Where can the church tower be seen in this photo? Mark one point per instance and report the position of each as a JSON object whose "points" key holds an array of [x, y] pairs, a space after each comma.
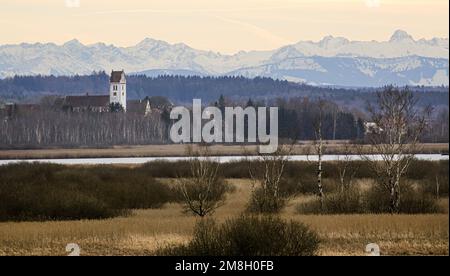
{"points": [[118, 89]]}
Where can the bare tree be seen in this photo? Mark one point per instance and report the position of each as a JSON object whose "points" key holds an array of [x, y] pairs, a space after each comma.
{"points": [[399, 126], [319, 148], [346, 169], [42, 126], [335, 115], [266, 174], [203, 192]]}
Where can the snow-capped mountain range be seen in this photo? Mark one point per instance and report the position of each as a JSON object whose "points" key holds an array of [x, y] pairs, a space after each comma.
{"points": [[402, 60]]}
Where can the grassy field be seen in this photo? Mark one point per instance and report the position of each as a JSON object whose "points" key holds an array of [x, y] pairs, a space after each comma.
{"points": [[331, 147], [146, 230]]}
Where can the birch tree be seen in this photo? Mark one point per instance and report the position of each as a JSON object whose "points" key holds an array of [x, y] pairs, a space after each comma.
{"points": [[346, 169], [399, 126], [266, 174], [319, 148]]}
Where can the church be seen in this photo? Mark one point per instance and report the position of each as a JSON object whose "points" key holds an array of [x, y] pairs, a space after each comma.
{"points": [[93, 102], [116, 100]]}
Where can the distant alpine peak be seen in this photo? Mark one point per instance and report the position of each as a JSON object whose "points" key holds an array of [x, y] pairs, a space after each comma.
{"points": [[73, 42], [331, 41], [151, 42], [400, 35]]}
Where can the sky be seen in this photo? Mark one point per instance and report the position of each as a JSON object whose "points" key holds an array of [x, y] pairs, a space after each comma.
{"points": [[225, 26]]}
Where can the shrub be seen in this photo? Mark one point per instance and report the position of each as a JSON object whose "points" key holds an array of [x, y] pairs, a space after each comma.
{"points": [[430, 186], [348, 202], [434, 175], [165, 169], [412, 201], [63, 205], [307, 185], [268, 173], [265, 202], [311, 207], [248, 236], [375, 200], [304, 185], [306, 171], [53, 192]]}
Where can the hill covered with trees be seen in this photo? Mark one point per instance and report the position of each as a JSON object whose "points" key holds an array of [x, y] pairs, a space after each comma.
{"points": [[182, 90]]}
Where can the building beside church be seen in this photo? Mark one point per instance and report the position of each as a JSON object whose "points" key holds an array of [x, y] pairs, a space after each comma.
{"points": [[86, 103], [89, 102], [117, 98]]}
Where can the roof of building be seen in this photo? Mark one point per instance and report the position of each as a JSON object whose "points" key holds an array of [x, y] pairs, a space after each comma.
{"points": [[116, 76], [87, 101], [137, 106], [11, 108]]}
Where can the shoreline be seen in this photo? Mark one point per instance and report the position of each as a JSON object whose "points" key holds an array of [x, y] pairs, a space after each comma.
{"points": [[178, 150]]}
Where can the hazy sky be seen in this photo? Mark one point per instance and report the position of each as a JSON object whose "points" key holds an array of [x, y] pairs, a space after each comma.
{"points": [[219, 25]]}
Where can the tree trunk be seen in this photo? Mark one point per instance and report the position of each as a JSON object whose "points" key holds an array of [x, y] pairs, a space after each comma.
{"points": [[319, 162], [395, 199], [437, 187], [342, 179], [334, 124], [319, 175]]}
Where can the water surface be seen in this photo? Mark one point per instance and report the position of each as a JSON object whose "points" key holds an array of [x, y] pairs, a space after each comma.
{"points": [[221, 159]]}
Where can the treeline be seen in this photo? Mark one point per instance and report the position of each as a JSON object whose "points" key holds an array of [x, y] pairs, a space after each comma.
{"points": [[49, 126], [298, 119], [180, 89], [44, 128]]}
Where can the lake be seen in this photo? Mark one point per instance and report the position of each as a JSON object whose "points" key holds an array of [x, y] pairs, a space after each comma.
{"points": [[221, 159]]}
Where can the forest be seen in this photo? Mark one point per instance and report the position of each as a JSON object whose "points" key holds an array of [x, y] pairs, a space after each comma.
{"points": [[344, 110], [49, 126], [182, 90]]}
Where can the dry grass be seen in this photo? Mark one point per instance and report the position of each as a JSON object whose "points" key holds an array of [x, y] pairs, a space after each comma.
{"points": [[332, 147], [147, 230]]}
